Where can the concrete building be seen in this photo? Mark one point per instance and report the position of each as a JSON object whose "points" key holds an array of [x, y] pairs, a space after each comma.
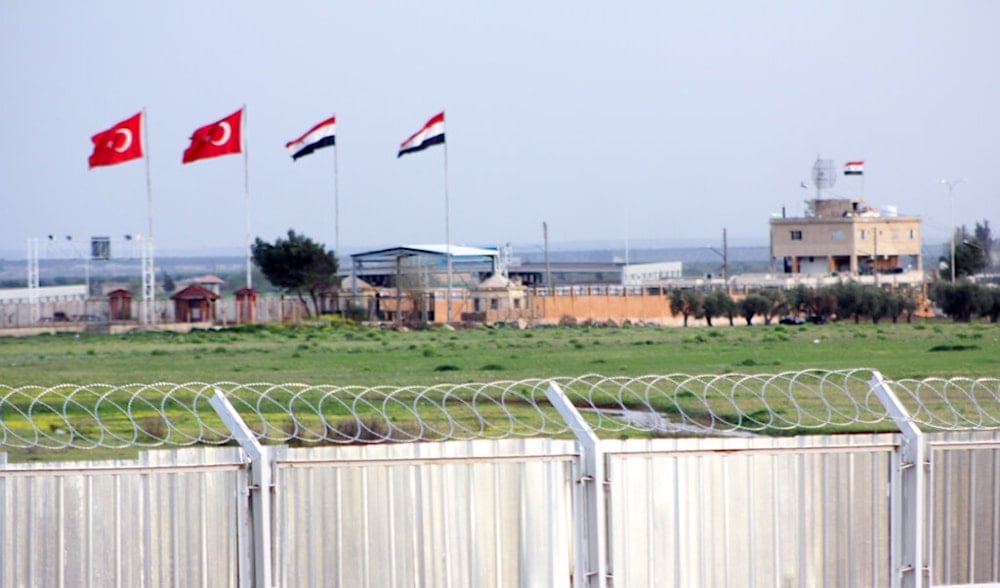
{"points": [[643, 274], [845, 236]]}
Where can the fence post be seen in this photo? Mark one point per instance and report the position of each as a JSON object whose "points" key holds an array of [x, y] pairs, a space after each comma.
{"points": [[260, 487], [908, 549], [590, 524]]}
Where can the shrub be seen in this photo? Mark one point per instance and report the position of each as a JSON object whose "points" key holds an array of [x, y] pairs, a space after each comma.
{"points": [[358, 430], [153, 428]]}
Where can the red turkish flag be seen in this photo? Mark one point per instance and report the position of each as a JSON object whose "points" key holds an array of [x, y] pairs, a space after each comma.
{"points": [[118, 144], [219, 138]]}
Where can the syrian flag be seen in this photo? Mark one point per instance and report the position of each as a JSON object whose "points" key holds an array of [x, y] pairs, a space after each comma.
{"points": [[223, 137], [322, 135], [432, 133], [854, 168], [118, 144]]}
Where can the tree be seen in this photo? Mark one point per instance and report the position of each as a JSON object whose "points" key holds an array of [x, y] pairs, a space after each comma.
{"points": [[717, 303], [751, 305], [776, 303], [959, 301], [686, 303], [898, 303], [874, 303], [732, 309], [815, 302], [168, 283], [985, 239], [970, 255], [798, 298], [988, 303], [849, 297], [297, 264]]}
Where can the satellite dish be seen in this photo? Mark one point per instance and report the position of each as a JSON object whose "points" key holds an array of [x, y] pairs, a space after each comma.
{"points": [[823, 175]]}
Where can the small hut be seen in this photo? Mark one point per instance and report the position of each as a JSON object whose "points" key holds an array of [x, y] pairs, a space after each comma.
{"points": [[246, 305], [194, 304], [496, 298], [120, 305]]}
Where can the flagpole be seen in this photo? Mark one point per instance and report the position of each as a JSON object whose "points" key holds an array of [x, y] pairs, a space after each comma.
{"points": [[336, 203], [246, 191], [148, 273], [447, 231]]}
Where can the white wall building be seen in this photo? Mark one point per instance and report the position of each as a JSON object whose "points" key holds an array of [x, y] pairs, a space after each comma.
{"points": [[637, 274]]}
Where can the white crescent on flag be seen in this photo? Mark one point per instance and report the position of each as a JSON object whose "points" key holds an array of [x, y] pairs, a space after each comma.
{"points": [[126, 143], [227, 131]]}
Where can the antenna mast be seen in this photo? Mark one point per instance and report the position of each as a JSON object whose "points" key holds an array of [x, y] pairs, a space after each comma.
{"points": [[823, 175]]}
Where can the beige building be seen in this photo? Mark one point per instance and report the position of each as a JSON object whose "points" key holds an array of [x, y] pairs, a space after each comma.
{"points": [[845, 236]]}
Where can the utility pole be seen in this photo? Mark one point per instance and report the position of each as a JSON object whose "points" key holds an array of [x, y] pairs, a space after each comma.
{"points": [[548, 268], [724, 254], [725, 259], [875, 249]]}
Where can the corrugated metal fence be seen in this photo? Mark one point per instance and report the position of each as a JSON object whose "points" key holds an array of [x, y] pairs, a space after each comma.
{"points": [[816, 510], [172, 518]]}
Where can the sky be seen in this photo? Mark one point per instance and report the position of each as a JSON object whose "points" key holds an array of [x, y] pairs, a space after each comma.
{"points": [[639, 122]]}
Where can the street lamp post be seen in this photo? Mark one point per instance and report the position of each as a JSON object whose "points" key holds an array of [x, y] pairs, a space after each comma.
{"points": [[951, 203]]}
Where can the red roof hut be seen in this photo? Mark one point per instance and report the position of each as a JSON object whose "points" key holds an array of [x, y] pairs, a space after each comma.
{"points": [[194, 304]]}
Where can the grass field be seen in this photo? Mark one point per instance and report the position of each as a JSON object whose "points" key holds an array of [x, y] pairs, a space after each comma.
{"points": [[340, 354], [331, 354]]}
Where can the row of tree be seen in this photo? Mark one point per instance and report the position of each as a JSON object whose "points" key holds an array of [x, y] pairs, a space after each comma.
{"points": [[841, 301], [963, 300]]}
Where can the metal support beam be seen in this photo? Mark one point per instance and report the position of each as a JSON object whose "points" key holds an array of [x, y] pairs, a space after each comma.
{"points": [[590, 539], [34, 300], [908, 557], [260, 488], [148, 281]]}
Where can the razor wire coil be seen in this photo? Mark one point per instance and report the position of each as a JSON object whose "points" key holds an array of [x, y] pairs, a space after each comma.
{"points": [[179, 414]]}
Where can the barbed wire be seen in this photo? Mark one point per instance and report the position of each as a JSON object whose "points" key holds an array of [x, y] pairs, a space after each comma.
{"points": [[171, 414], [952, 404]]}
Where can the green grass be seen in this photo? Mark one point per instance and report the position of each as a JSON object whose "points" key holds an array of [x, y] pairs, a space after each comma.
{"points": [[347, 355]]}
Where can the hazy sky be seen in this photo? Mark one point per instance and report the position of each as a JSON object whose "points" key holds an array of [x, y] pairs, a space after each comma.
{"points": [[647, 121]]}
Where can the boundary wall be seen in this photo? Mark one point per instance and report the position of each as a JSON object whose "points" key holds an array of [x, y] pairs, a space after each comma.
{"points": [[892, 509]]}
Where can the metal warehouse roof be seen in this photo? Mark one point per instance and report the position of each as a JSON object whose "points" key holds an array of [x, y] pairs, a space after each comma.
{"points": [[438, 249]]}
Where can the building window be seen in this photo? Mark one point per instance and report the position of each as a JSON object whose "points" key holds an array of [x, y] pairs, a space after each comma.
{"points": [[912, 232], [863, 233], [796, 235], [837, 235]]}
